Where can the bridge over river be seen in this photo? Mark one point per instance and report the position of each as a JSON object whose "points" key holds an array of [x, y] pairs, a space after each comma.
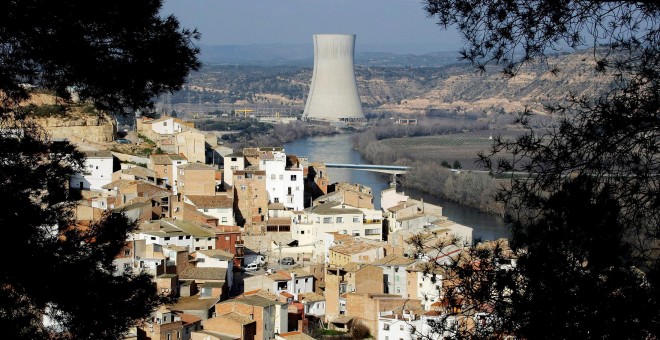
{"points": [[393, 170]]}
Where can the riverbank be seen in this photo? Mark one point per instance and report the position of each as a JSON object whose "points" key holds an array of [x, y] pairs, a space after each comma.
{"points": [[430, 150]]}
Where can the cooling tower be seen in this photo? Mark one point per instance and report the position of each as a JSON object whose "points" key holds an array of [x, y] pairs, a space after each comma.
{"points": [[333, 94]]}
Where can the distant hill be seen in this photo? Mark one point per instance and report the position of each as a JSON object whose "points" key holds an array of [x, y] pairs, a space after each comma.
{"points": [[393, 83], [303, 55]]}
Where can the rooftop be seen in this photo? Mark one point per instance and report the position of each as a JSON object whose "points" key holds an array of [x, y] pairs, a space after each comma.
{"points": [[218, 201], [393, 260], [333, 208], [355, 247], [203, 273]]}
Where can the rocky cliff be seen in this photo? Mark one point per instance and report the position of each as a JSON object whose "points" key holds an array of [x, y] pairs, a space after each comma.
{"points": [[78, 124]]}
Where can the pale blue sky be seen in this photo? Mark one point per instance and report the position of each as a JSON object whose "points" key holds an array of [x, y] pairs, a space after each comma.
{"points": [[377, 24]]}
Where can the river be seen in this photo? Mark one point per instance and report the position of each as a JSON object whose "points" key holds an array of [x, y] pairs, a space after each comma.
{"points": [[339, 149]]}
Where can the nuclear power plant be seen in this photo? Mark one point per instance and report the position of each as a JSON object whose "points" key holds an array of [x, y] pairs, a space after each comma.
{"points": [[333, 94]]}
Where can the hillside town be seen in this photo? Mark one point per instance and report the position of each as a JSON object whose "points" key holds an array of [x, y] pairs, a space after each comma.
{"points": [[261, 244]]}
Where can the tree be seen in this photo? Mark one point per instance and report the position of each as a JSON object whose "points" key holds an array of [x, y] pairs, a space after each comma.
{"points": [[592, 182], [62, 283]]}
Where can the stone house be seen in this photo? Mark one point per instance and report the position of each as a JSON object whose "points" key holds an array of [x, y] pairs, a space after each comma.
{"points": [[165, 167], [250, 200], [219, 206], [196, 179], [191, 144], [224, 326], [269, 314], [166, 324], [352, 277]]}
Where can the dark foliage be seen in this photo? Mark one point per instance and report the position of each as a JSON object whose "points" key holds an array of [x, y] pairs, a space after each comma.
{"points": [[60, 282], [585, 220], [121, 54]]}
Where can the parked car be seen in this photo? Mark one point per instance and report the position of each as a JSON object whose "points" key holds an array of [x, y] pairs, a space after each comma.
{"points": [[288, 261], [123, 141], [251, 267]]}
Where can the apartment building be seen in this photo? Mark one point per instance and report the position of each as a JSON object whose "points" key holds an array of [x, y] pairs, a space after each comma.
{"points": [[284, 179]]}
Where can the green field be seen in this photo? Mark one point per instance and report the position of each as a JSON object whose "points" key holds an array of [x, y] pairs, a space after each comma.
{"points": [[462, 147]]}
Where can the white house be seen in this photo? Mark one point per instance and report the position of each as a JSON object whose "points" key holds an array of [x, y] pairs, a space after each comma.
{"points": [[192, 235], [97, 171], [220, 207], [428, 281], [397, 326], [314, 303], [310, 225], [167, 125], [284, 179]]}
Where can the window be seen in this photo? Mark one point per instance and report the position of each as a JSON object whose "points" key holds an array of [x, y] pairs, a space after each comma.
{"points": [[224, 220], [293, 177], [180, 237], [206, 209], [356, 219], [401, 327], [272, 176], [243, 187], [281, 176], [340, 219], [327, 220], [386, 326], [127, 266], [167, 238], [127, 252], [239, 177], [226, 238], [169, 336], [233, 159]]}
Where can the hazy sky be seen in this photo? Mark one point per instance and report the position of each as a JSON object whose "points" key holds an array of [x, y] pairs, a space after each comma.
{"points": [[374, 22]]}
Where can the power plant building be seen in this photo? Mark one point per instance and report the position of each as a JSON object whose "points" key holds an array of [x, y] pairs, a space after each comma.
{"points": [[333, 93]]}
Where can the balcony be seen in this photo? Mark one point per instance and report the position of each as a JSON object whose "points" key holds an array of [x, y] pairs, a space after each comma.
{"points": [[239, 243]]}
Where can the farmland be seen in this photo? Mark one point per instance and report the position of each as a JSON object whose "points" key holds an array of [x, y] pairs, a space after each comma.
{"points": [[461, 147]]}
